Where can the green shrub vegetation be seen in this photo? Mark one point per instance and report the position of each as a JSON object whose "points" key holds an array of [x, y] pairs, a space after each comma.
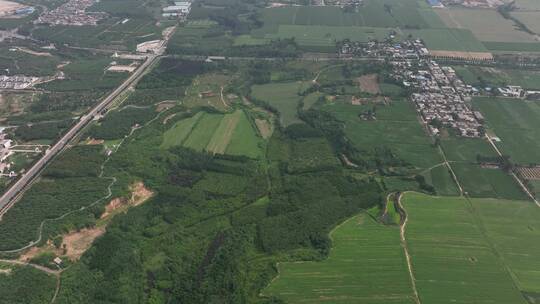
{"points": [[21, 285]]}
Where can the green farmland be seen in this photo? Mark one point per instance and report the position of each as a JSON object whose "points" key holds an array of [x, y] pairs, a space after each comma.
{"points": [[487, 182], [366, 256], [396, 127], [281, 96], [499, 77], [516, 123], [452, 260], [230, 133]]}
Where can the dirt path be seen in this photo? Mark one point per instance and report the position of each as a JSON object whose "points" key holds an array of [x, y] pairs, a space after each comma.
{"points": [[223, 99], [402, 229], [454, 176]]}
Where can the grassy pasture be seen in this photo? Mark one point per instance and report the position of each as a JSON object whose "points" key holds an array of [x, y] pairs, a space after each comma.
{"points": [[281, 96], [485, 24], [451, 259], [396, 127], [516, 123], [487, 182], [365, 260]]}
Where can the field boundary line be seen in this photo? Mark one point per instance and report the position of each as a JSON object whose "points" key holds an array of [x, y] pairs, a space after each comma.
{"points": [[402, 229]]}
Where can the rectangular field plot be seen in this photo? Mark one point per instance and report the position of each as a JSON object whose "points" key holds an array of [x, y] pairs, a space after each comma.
{"points": [[499, 77], [511, 226], [244, 139], [487, 182], [366, 265], [485, 24], [451, 259], [516, 123], [396, 127], [466, 149], [176, 135], [201, 135]]}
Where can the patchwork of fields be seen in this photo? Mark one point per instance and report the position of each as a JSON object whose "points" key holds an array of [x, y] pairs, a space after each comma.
{"points": [[230, 133]]}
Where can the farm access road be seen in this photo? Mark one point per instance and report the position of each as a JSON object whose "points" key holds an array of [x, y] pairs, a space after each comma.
{"points": [[8, 199]]}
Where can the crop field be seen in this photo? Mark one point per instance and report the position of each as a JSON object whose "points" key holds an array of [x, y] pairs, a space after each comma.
{"points": [[451, 259], [244, 139], [511, 225], [507, 47], [281, 96], [466, 149], [176, 135], [459, 40], [487, 182], [528, 5], [441, 179], [397, 127], [230, 133], [372, 13], [516, 123], [366, 258], [528, 79], [323, 26], [531, 19], [220, 140], [485, 24]]}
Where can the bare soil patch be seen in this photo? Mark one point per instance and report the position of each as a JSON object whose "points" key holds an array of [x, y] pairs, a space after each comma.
{"points": [[465, 55], [35, 251], [163, 106], [93, 141], [7, 7], [265, 128], [77, 242], [369, 83], [6, 271], [29, 51], [168, 118], [139, 194]]}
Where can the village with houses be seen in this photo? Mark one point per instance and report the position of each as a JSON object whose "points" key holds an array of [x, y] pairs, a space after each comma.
{"points": [[441, 98]]}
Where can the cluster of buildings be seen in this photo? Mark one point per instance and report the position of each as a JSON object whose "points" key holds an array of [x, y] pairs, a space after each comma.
{"points": [[18, 82], [72, 12], [179, 9], [439, 95], [5, 153]]}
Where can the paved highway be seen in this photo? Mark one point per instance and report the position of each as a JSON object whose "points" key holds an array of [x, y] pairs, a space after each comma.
{"points": [[9, 197]]}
